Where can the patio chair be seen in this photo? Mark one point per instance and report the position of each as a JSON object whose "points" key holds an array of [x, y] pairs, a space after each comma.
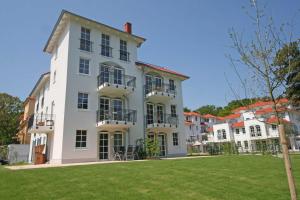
{"points": [[130, 152], [117, 155]]}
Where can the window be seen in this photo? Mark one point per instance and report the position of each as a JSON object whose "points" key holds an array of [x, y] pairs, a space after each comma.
{"points": [[80, 139], [196, 118], [224, 134], [190, 127], [175, 139], [118, 141], [82, 100], [118, 76], [124, 55], [237, 131], [274, 127], [150, 114], [84, 66], [54, 77], [197, 128], [171, 85], [243, 130], [246, 144], [239, 143], [258, 130], [106, 50], [252, 131], [173, 111], [85, 43]]}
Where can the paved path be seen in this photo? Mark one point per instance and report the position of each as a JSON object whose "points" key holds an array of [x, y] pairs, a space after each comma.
{"points": [[30, 166]]}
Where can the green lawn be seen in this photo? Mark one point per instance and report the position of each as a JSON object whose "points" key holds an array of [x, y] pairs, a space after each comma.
{"points": [[232, 178]]}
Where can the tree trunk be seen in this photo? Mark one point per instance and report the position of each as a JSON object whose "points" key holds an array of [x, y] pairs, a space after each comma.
{"points": [[287, 162]]}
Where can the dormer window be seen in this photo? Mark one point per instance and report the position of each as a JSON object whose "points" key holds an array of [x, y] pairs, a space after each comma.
{"points": [[124, 55]]}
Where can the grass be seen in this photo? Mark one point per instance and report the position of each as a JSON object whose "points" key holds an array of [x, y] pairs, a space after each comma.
{"points": [[222, 178]]}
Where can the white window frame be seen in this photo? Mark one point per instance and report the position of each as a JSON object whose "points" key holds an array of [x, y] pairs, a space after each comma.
{"points": [[84, 93], [79, 133], [84, 67], [175, 139]]}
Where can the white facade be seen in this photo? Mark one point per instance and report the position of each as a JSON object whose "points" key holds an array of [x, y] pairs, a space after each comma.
{"points": [[100, 97], [193, 128]]}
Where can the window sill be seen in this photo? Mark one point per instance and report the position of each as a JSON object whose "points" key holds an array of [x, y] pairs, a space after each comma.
{"points": [[83, 110], [81, 149], [109, 57], [81, 74]]}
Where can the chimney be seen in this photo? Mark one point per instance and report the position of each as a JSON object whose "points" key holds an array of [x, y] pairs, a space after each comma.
{"points": [[127, 27]]}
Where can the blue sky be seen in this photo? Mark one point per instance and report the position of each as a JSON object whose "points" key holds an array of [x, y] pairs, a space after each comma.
{"points": [[187, 36]]}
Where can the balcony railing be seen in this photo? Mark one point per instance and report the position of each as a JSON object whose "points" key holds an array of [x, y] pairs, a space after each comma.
{"points": [[255, 134], [161, 118], [86, 45], [115, 78], [106, 51], [36, 120], [167, 88], [124, 55], [114, 114]]}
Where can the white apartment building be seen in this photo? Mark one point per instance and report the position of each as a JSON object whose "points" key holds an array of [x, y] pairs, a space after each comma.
{"points": [[193, 128], [98, 96], [255, 126]]}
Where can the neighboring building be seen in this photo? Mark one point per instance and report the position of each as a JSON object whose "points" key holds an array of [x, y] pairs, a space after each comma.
{"points": [[22, 136], [255, 126], [98, 96], [193, 127]]}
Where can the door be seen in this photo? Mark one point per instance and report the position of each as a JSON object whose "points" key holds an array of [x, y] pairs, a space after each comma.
{"points": [[104, 74], [118, 77], [162, 144], [149, 117], [118, 142], [158, 84], [148, 82], [103, 146], [117, 110], [104, 109], [160, 114]]}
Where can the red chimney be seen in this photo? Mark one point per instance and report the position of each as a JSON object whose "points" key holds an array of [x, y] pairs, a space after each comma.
{"points": [[127, 27]]}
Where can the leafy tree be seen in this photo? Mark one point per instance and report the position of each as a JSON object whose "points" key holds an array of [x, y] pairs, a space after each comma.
{"points": [[209, 109], [186, 109], [287, 66], [10, 110]]}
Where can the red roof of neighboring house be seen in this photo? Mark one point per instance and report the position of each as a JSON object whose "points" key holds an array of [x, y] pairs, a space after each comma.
{"points": [[274, 120], [260, 104], [188, 122], [159, 68], [238, 124], [269, 110], [208, 116], [232, 116], [191, 114]]}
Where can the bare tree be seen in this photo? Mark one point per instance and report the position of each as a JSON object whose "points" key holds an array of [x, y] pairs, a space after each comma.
{"points": [[257, 55]]}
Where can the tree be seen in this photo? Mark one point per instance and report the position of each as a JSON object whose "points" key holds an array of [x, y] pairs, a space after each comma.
{"points": [[287, 66], [10, 110], [186, 109], [257, 55], [208, 109]]}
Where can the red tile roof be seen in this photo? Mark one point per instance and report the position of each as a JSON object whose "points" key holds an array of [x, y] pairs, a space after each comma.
{"points": [[208, 116], [210, 129], [159, 68], [274, 120], [238, 124], [188, 122], [232, 116], [270, 110], [191, 114], [261, 104]]}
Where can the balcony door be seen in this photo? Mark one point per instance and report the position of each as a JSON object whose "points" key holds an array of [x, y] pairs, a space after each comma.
{"points": [[104, 108], [104, 74], [150, 113], [117, 109], [103, 146], [160, 113], [118, 76], [162, 144], [158, 83], [148, 84]]}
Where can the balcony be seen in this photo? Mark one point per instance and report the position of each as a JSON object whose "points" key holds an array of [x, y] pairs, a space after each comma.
{"points": [[161, 122], [39, 123], [86, 45], [160, 93], [115, 118], [114, 84]]}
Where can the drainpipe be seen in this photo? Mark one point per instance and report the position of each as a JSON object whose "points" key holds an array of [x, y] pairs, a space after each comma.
{"points": [[143, 108]]}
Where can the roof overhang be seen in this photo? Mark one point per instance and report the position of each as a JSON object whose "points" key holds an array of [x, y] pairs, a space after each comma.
{"points": [[64, 18], [42, 80], [160, 69]]}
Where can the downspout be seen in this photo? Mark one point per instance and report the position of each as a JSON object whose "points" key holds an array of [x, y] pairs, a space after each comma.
{"points": [[143, 108]]}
